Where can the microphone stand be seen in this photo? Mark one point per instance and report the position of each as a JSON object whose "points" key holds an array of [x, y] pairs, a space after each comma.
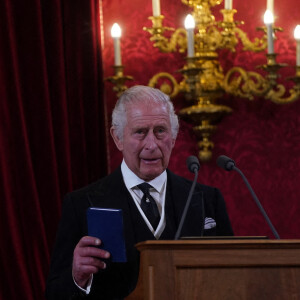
{"points": [[257, 202], [177, 235]]}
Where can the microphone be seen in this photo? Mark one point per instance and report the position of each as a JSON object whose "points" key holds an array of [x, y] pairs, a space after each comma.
{"points": [[225, 163], [228, 164], [193, 166], [192, 163]]}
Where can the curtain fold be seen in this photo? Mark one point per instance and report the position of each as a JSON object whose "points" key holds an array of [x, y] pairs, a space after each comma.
{"points": [[52, 129]]}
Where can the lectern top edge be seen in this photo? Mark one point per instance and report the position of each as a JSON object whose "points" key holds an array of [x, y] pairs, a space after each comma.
{"points": [[219, 244]]}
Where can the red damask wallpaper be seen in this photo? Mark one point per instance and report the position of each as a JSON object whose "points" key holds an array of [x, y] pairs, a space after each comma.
{"points": [[262, 137]]}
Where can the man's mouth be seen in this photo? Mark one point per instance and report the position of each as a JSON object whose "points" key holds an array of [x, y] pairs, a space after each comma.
{"points": [[150, 160]]}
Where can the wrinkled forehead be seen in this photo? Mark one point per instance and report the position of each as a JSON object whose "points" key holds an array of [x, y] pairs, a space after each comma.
{"points": [[146, 108]]}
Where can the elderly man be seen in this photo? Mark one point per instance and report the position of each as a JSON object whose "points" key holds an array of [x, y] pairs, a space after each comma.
{"points": [[144, 129]]}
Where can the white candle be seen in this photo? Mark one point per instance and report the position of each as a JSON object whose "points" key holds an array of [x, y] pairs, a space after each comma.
{"points": [[189, 25], [116, 34], [228, 4], [269, 20], [297, 38], [270, 6], [156, 8], [270, 38]]}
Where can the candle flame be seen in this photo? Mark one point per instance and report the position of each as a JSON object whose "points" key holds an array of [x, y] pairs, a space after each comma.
{"points": [[297, 33], [116, 30], [189, 22], [268, 17]]}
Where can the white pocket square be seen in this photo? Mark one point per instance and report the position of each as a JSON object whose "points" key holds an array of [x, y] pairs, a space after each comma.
{"points": [[209, 223]]}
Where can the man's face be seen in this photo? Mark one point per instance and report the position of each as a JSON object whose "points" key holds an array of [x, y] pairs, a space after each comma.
{"points": [[147, 140]]}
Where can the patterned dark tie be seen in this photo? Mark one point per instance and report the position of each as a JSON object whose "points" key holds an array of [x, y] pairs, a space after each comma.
{"points": [[148, 205]]}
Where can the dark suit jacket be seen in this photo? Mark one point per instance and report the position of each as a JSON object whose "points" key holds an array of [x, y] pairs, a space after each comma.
{"points": [[119, 279]]}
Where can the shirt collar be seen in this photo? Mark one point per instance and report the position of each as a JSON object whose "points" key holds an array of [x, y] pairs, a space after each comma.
{"points": [[131, 180]]}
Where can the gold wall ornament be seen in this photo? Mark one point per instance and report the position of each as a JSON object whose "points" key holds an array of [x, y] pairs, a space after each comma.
{"points": [[118, 80], [177, 40], [204, 83], [169, 85]]}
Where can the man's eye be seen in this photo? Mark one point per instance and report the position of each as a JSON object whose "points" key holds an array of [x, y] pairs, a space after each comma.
{"points": [[160, 130], [140, 131]]}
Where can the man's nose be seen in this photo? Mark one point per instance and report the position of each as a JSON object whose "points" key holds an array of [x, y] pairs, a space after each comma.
{"points": [[150, 141]]}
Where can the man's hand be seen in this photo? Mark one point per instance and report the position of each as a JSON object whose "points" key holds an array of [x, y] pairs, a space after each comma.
{"points": [[87, 259]]}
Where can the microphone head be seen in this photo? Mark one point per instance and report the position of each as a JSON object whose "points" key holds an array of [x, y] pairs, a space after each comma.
{"points": [[193, 164], [225, 163]]}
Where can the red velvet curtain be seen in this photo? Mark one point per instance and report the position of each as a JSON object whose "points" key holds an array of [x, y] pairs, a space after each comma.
{"points": [[52, 131]]}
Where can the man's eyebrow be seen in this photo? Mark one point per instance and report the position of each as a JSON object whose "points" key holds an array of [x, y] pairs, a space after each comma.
{"points": [[140, 128]]}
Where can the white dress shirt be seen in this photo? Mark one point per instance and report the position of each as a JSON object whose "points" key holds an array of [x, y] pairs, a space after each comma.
{"points": [[158, 192]]}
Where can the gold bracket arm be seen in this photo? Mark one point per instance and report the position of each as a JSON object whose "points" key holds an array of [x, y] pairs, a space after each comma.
{"points": [[256, 46], [277, 96], [241, 83], [177, 40], [169, 85], [231, 33], [277, 92]]}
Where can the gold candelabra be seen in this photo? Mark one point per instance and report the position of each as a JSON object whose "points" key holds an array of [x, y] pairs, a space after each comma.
{"points": [[204, 82]]}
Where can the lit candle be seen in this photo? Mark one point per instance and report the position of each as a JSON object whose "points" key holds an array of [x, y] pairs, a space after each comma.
{"points": [[189, 25], [270, 6], [297, 38], [156, 8], [269, 20], [116, 34], [228, 4]]}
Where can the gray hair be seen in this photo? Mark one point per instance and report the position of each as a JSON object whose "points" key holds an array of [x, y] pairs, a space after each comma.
{"points": [[140, 93]]}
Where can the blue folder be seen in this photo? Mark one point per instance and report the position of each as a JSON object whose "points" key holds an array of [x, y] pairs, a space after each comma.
{"points": [[107, 225]]}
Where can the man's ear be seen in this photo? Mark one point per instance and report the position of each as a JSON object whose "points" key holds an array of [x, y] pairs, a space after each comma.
{"points": [[117, 140], [173, 143]]}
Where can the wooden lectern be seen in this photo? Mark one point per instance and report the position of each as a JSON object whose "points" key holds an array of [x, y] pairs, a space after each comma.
{"points": [[219, 269]]}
